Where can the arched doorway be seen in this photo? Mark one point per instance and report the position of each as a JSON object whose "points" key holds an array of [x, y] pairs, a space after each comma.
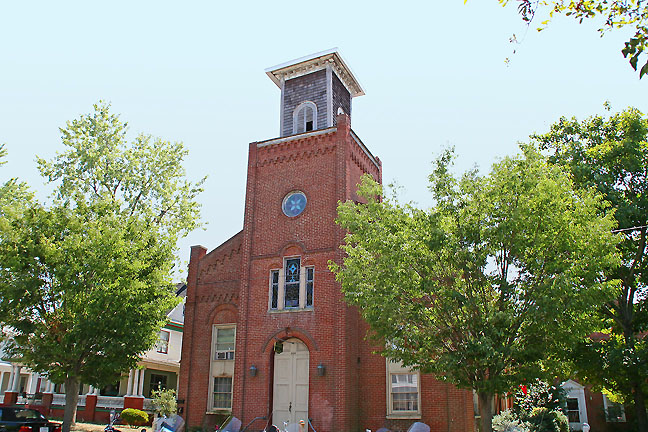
{"points": [[290, 388]]}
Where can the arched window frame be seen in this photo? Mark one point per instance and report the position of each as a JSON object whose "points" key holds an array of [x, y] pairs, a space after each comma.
{"points": [[300, 128]]}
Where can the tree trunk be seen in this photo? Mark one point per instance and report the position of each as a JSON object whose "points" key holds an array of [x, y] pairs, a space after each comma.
{"points": [[640, 407], [71, 400], [486, 410]]}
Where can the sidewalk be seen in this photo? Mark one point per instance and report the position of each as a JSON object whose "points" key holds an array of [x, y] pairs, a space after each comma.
{"points": [[92, 427]]}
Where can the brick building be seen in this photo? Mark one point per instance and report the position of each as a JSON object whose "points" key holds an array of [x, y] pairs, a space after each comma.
{"points": [[266, 331]]}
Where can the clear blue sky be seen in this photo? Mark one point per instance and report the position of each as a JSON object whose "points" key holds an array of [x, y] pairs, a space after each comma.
{"points": [[433, 72]]}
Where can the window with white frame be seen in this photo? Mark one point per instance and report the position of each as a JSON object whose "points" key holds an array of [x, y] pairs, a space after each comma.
{"points": [[403, 389], [162, 345], [224, 342], [305, 117], [575, 407], [573, 410], [291, 287], [404, 392], [222, 394], [614, 412]]}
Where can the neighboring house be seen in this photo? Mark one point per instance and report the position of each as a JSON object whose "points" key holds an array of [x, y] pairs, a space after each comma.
{"points": [[593, 408], [582, 406], [267, 330], [158, 369]]}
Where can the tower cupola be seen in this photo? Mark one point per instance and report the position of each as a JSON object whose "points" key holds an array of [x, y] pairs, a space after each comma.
{"points": [[313, 91]]}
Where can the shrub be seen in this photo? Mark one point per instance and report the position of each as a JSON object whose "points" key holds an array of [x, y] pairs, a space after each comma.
{"points": [[134, 417], [539, 394], [546, 420], [507, 421], [164, 402]]}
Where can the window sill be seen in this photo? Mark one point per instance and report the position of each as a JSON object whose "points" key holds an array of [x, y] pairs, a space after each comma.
{"points": [[280, 311], [404, 416], [220, 411]]}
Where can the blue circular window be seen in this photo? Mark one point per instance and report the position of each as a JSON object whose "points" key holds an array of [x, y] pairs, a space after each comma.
{"points": [[294, 204]]}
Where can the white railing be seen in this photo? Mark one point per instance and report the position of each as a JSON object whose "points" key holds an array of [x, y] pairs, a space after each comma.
{"points": [[148, 405], [110, 402], [2, 398]]}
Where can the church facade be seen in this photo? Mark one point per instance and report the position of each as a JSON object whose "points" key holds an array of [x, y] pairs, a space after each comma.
{"points": [[267, 333]]}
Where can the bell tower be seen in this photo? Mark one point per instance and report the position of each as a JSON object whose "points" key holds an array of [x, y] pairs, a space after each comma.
{"points": [[314, 89]]}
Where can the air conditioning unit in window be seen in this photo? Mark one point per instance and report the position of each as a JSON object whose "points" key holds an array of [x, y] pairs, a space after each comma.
{"points": [[225, 355]]}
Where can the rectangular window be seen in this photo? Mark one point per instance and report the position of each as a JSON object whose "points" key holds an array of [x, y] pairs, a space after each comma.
{"points": [[404, 392], [224, 343], [573, 413], [291, 292], [158, 382], [292, 287], [614, 412], [162, 345], [222, 392], [310, 274], [274, 288]]}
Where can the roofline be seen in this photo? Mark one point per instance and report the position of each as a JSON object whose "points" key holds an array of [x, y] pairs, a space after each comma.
{"points": [[343, 71], [297, 61]]}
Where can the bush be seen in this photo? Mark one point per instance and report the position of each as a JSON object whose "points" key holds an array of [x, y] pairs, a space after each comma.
{"points": [[539, 394], [134, 417], [507, 421], [546, 420], [164, 402]]}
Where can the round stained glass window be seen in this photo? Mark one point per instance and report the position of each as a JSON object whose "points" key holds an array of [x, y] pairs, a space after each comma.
{"points": [[294, 204]]}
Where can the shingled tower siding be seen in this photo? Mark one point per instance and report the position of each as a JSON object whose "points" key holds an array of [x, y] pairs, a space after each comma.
{"points": [[311, 87], [231, 285], [341, 97]]}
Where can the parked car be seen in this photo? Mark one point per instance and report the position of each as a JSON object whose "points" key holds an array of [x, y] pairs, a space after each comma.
{"points": [[21, 419]]}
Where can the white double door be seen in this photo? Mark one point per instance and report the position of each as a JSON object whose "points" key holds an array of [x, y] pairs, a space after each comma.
{"points": [[290, 397]]}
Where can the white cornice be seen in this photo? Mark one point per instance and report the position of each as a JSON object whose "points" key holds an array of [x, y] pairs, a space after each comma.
{"points": [[313, 63]]}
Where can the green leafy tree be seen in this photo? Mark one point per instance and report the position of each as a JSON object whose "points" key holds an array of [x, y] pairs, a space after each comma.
{"points": [[14, 194], [610, 155], [85, 282], [614, 14], [480, 289]]}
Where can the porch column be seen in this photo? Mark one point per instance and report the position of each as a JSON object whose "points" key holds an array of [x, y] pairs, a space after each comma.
{"points": [[16, 382], [133, 399], [11, 396], [140, 389], [33, 382], [2, 375], [49, 386], [91, 404], [12, 377], [129, 387], [135, 382]]}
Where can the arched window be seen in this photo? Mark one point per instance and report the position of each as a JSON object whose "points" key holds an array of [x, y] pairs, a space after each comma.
{"points": [[305, 117]]}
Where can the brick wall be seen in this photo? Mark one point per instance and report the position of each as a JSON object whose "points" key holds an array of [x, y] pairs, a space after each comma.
{"points": [[232, 283]]}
